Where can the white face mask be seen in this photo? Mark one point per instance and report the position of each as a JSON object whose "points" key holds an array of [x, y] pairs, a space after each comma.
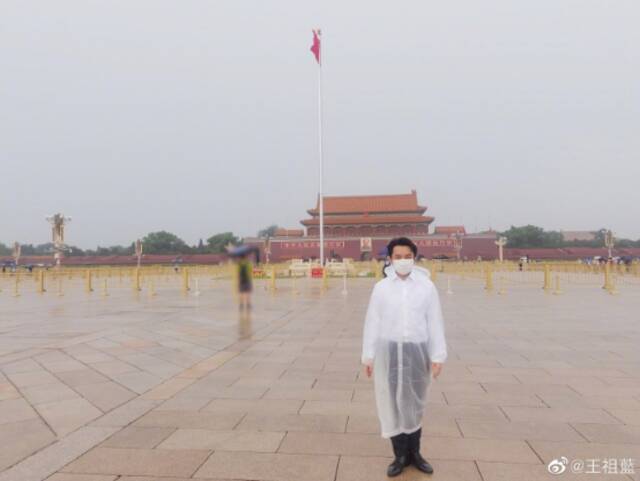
{"points": [[402, 266]]}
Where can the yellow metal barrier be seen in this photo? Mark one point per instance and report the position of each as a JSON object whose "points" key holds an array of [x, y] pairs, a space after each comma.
{"points": [[87, 286], [488, 285]]}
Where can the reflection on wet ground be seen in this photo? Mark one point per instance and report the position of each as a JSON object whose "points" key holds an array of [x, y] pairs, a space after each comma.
{"points": [[174, 386]]}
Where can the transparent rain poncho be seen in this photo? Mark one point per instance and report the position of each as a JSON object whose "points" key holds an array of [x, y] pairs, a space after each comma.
{"points": [[403, 334]]}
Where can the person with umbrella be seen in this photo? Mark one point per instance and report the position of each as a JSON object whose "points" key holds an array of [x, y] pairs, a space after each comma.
{"points": [[245, 274]]}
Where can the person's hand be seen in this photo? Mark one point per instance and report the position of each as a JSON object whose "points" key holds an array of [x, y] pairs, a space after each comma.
{"points": [[368, 369], [436, 367]]}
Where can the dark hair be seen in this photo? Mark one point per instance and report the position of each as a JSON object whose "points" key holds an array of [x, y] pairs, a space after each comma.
{"points": [[402, 241]]}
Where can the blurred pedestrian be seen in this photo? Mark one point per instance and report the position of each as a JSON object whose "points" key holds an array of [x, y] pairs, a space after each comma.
{"points": [[245, 283]]}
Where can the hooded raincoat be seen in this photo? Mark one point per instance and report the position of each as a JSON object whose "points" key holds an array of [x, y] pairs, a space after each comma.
{"points": [[403, 334]]}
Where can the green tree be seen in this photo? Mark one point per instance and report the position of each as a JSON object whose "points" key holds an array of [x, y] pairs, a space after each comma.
{"points": [[268, 231], [553, 239], [38, 250], [27, 250], [112, 251], [163, 242], [600, 235], [529, 236], [46, 249], [525, 236], [217, 244], [73, 251], [4, 250]]}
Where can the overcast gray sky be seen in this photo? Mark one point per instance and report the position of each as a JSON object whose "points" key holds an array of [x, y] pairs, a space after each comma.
{"points": [[201, 116]]}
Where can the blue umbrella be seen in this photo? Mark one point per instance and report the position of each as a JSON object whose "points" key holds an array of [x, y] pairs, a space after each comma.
{"points": [[243, 250]]}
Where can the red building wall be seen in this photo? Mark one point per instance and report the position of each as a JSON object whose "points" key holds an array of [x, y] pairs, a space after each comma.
{"points": [[370, 230], [428, 246]]}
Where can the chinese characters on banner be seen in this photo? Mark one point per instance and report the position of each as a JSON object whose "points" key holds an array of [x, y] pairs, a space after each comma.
{"points": [[310, 244]]}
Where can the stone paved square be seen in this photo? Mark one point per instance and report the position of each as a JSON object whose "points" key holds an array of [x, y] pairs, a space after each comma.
{"points": [[177, 387]]}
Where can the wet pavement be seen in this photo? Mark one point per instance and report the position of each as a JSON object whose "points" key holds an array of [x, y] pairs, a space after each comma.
{"points": [[134, 387]]}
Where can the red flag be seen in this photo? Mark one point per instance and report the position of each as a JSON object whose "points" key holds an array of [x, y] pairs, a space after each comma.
{"points": [[315, 48]]}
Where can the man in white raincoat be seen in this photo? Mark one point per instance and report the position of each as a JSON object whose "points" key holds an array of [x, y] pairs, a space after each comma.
{"points": [[403, 346]]}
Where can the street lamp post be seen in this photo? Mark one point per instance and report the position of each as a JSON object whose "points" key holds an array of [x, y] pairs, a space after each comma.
{"points": [[457, 244], [139, 251], [501, 242], [17, 249]]}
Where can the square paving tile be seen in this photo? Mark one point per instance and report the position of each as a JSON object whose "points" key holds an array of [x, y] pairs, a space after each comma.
{"points": [[549, 450], [81, 376], [67, 416], [578, 400], [136, 437], [189, 420], [437, 412], [14, 410], [360, 468], [32, 378], [52, 458], [432, 427], [49, 393], [105, 395], [264, 442], [492, 399], [510, 472], [82, 477], [63, 366], [470, 449], [164, 478], [108, 368], [144, 462], [87, 355], [7, 391], [204, 389], [520, 430], [21, 439], [353, 444], [269, 467], [24, 365], [627, 416], [168, 389], [578, 415], [293, 422], [608, 433], [185, 402], [137, 381], [309, 394], [126, 414], [346, 408], [255, 406]]}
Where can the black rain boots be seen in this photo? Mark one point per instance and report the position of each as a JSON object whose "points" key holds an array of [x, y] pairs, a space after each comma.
{"points": [[414, 455], [400, 450]]}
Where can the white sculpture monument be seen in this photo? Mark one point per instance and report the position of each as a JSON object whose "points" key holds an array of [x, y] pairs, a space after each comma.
{"points": [[58, 223]]}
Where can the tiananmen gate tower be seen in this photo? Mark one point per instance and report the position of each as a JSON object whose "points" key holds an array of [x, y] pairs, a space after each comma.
{"points": [[360, 226], [370, 215]]}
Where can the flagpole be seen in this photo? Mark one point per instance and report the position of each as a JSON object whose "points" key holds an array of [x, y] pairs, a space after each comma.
{"points": [[321, 197]]}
